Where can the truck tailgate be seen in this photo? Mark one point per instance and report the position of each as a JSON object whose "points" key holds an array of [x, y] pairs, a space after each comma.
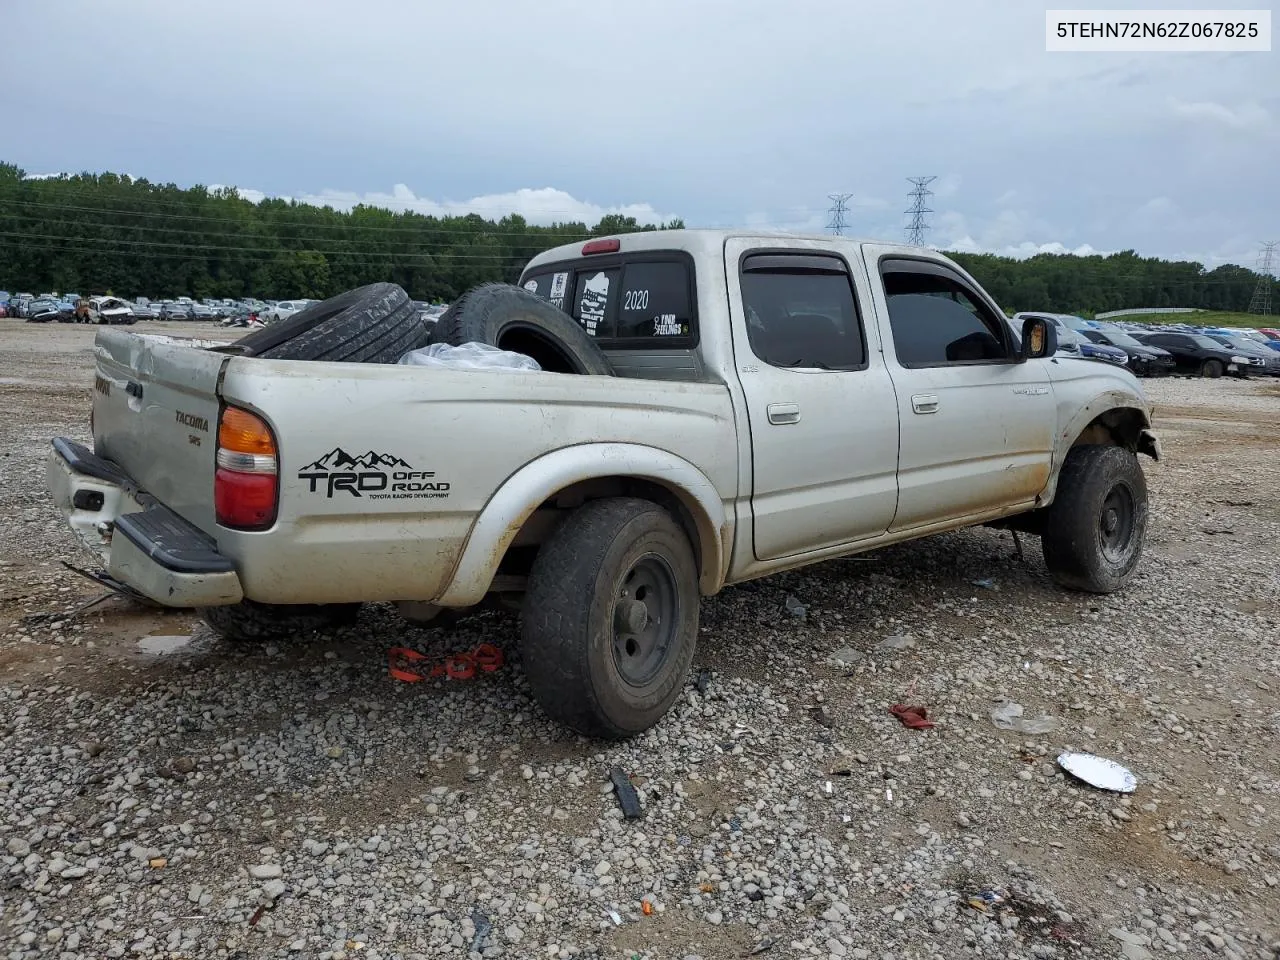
{"points": [[155, 413]]}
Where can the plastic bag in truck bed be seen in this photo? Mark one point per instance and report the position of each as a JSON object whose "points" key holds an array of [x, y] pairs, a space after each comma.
{"points": [[469, 356]]}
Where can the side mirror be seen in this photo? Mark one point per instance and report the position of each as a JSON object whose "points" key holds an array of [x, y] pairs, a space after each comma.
{"points": [[1039, 338]]}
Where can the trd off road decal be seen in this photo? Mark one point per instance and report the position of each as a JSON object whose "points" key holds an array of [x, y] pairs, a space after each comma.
{"points": [[378, 476]]}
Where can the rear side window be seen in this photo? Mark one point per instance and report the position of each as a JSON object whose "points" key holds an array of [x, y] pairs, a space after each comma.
{"points": [[654, 301], [549, 286], [801, 312], [937, 322], [641, 301]]}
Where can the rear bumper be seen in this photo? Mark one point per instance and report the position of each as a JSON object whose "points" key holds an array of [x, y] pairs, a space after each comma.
{"points": [[141, 542]]}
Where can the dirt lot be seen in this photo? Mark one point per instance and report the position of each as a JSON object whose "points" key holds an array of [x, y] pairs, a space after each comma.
{"points": [[168, 795]]}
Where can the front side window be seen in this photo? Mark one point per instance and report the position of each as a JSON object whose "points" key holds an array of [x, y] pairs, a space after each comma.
{"points": [[937, 322], [801, 312]]}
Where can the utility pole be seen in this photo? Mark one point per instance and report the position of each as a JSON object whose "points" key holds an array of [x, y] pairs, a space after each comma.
{"points": [[1260, 302], [919, 194], [836, 213]]}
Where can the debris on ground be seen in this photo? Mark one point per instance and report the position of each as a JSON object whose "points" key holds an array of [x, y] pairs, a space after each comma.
{"points": [[796, 608], [1008, 715], [484, 657], [912, 717], [848, 657], [1099, 772], [986, 583], [703, 681], [628, 798]]}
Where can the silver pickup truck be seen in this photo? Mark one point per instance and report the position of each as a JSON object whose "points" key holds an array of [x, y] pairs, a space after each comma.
{"points": [[776, 401]]}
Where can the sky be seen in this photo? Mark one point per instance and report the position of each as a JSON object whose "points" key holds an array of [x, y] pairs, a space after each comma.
{"points": [[721, 112]]}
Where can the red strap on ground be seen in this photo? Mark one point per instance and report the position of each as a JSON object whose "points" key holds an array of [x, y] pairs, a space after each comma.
{"points": [[456, 666], [915, 718]]}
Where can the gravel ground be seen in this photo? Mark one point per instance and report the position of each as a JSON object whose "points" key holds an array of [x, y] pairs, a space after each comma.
{"points": [[168, 795]]}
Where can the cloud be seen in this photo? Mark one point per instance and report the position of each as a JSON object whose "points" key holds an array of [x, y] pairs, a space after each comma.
{"points": [[1238, 118], [540, 205]]}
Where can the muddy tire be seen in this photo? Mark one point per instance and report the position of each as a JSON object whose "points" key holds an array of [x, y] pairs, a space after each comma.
{"points": [[610, 618], [377, 323], [1212, 369], [1094, 529], [247, 621], [511, 318]]}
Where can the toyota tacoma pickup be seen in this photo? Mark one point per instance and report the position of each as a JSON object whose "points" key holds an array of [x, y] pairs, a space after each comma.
{"points": [[756, 404]]}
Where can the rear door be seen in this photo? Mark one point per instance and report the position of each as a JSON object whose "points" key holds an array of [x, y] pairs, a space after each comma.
{"points": [[155, 413], [821, 407], [977, 425]]}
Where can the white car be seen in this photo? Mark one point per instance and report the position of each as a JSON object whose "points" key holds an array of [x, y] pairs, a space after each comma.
{"points": [[762, 403], [283, 310]]}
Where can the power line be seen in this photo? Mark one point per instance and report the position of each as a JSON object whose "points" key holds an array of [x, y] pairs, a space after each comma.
{"points": [[920, 192], [1260, 302], [839, 207]]}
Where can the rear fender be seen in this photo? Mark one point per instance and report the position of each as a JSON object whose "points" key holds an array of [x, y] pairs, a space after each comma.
{"points": [[520, 496]]}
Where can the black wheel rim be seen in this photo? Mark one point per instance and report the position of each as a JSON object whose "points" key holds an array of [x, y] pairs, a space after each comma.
{"points": [[1116, 523], [646, 614]]}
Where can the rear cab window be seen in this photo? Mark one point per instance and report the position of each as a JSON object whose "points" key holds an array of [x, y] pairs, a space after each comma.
{"points": [[638, 301]]}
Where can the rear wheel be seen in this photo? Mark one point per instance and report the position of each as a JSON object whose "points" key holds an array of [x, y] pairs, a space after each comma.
{"points": [[248, 621], [611, 618], [1093, 531], [1212, 369]]}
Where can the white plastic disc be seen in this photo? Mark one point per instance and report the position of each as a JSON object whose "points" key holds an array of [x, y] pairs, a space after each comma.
{"points": [[1099, 772]]}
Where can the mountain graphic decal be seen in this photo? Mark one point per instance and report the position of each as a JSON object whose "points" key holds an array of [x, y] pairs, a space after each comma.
{"points": [[339, 459]]}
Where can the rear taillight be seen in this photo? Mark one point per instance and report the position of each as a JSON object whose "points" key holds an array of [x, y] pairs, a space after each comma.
{"points": [[246, 484]]}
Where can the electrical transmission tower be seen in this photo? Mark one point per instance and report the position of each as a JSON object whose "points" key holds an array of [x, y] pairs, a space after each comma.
{"points": [[839, 207], [920, 193], [1260, 302]]}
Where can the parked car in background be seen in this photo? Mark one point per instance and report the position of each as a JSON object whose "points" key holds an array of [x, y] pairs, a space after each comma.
{"points": [[1251, 349], [43, 310], [175, 311], [282, 310], [109, 310], [1197, 353], [1144, 360], [201, 311], [143, 311]]}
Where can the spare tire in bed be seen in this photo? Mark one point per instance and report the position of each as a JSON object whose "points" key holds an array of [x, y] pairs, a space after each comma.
{"points": [[377, 323], [511, 318]]}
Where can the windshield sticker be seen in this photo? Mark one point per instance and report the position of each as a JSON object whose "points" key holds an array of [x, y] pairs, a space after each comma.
{"points": [[531, 286], [378, 476], [594, 297], [559, 284]]}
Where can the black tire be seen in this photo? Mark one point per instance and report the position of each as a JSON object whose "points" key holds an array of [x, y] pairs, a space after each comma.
{"points": [[591, 668], [247, 621], [372, 324], [511, 318], [1212, 369], [1093, 530]]}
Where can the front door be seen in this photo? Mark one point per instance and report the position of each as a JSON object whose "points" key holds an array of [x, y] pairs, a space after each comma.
{"points": [[977, 424], [820, 404]]}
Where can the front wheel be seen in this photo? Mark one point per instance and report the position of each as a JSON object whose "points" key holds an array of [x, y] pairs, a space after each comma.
{"points": [[610, 618], [1212, 369], [248, 621], [1093, 530]]}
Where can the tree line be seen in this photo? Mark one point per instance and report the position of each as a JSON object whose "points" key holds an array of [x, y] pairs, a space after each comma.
{"points": [[103, 232]]}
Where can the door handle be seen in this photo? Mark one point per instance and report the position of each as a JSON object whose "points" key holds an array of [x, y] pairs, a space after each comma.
{"points": [[784, 413], [924, 403]]}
